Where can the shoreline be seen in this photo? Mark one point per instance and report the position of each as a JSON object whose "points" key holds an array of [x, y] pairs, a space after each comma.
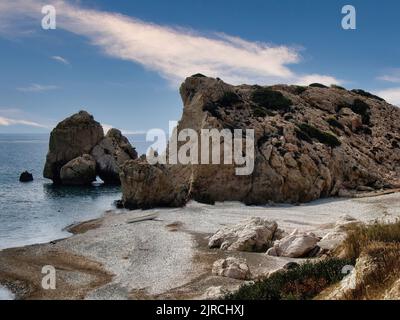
{"points": [[165, 258]]}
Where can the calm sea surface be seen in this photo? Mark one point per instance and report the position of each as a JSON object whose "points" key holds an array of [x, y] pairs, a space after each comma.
{"points": [[37, 211]]}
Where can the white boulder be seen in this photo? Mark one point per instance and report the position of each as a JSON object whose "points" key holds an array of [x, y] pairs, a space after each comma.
{"points": [[295, 245], [231, 267], [255, 234]]}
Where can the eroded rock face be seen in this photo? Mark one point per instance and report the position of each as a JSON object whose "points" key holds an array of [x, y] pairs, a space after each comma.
{"points": [[71, 138], [310, 142], [79, 171], [231, 267], [253, 235], [295, 245], [110, 154], [146, 186]]}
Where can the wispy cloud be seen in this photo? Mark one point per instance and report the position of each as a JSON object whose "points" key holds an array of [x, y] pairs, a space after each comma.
{"points": [[60, 59], [37, 88], [392, 75], [107, 127], [9, 122], [173, 52], [391, 95]]}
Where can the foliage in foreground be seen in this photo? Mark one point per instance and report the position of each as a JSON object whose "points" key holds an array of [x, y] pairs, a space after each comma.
{"points": [[301, 283], [361, 237]]}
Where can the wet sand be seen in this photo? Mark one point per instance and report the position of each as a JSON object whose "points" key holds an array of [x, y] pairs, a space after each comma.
{"points": [[165, 258]]}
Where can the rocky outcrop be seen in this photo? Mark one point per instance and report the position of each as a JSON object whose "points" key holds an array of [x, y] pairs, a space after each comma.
{"points": [[295, 245], [71, 143], [231, 267], [79, 171], [26, 177], [71, 138], [310, 142], [110, 154], [334, 238], [253, 235]]}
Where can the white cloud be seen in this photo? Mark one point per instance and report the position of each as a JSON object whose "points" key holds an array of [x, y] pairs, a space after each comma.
{"points": [[107, 127], [392, 75], [316, 78], [391, 95], [9, 122], [173, 52], [60, 59], [37, 88]]}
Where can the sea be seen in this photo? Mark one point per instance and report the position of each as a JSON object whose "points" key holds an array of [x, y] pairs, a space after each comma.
{"points": [[38, 211]]}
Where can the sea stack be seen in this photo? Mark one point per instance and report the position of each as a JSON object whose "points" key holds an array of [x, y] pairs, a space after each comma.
{"points": [[310, 142], [79, 151]]}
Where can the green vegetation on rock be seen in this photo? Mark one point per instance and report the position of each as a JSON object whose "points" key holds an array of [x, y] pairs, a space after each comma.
{"points": [[312, 132], [301, 283], [270, 99], [318, 85]]}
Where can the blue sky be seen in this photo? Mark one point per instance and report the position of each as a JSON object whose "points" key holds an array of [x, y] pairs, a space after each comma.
{"points": [[123, 60]]}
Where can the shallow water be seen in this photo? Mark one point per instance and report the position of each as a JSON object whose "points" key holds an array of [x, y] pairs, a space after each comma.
{"points": [[37, 212], [6, 294]]}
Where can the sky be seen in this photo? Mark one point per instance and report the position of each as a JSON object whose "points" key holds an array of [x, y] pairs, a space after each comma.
{"points": [[123, 61]]}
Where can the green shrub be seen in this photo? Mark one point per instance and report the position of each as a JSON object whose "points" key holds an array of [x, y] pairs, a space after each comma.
{"points": [[335, 123], [270, 99], [198, 75], [228, 99], [335, 86], [301, 283], [259, 112], [363, 109], [212, 109], [299, 89], [318, 85], [303, 136], [323, 137], [367, 94]]}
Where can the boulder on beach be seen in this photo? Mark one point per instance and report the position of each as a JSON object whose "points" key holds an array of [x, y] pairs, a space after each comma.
{"points": [[310, 142], [71, 138], [253, 235], [110, 154], [231, 267], [26, 177], [296, 245], [79, 171]]}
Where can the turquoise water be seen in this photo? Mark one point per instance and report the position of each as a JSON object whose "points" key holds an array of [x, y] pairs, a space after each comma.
{"points": [[37, 212]]}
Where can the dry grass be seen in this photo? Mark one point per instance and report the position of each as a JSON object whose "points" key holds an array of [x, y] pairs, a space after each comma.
{"points": [[361, 237], [378, 247]]}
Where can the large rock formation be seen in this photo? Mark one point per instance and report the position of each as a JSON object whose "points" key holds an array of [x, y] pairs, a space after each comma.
{"points": [[110, 154], [310, 142], [77, 143], [71, 138]]}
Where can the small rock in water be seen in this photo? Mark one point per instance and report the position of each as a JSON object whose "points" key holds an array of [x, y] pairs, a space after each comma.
{"points": [[26, 177]]}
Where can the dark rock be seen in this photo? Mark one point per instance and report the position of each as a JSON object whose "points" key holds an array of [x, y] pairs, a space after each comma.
{"points": [[26, 177], [71, 138]]}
